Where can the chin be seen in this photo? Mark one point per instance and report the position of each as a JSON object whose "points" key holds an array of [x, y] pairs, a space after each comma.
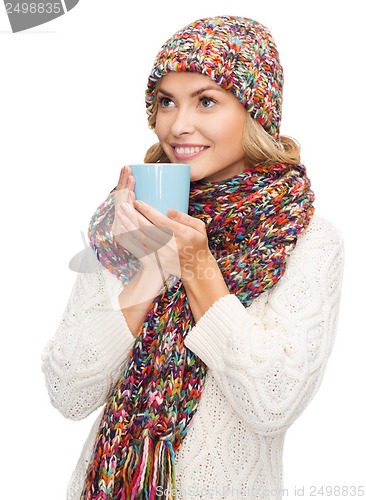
{"points": [[197, 173], [196, 177]]}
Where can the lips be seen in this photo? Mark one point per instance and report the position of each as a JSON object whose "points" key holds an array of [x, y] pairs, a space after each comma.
{"points": [[185, 151]]}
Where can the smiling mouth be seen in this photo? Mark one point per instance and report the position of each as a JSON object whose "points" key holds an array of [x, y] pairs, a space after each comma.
{"points": [[182, 152]]}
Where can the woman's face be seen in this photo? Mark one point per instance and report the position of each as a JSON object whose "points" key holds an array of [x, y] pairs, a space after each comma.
{"points": [[200, 123]]}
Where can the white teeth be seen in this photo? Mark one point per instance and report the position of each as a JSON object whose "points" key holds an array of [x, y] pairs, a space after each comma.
{"points": [[189, 151]]}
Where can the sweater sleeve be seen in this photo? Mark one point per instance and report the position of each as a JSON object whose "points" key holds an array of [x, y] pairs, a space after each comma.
{"points": [[86, 356], [269, 358]]}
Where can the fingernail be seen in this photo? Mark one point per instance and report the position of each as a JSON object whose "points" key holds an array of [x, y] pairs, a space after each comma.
{"points": [[137, 204]]}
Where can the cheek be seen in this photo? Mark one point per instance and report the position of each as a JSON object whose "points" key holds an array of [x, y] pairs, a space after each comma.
{"points": [[232, 132], [213, 128], [227, 135], [161, 127]]}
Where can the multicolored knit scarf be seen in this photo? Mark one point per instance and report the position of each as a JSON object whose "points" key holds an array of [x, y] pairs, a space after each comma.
{"points": [[253, 222]]}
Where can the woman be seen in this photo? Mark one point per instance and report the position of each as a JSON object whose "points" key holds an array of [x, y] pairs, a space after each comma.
{"points": [[204, 363]]}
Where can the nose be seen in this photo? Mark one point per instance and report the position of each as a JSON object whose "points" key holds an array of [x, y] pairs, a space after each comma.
{"points": [[183, 122]]}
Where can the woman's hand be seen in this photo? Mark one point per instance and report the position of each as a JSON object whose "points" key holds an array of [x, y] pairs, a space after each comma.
{"points": [[176, 245], [179, 241], [132, 233], [136, 297], [199, 271], [123, 194]]}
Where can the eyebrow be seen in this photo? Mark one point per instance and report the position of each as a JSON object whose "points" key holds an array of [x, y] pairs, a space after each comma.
{"points": [[194, 94]]}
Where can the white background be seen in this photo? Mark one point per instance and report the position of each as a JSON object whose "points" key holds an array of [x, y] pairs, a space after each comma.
{"points": [[71, 115]]}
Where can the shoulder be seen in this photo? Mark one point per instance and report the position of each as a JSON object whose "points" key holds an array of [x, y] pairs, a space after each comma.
{"points": [[320, 232], [312, 281], [319, 249]]}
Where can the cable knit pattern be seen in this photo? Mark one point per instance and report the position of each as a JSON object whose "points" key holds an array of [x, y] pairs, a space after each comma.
{"points": [[265, 364]]}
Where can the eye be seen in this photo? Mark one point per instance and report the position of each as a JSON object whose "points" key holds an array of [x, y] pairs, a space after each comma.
{"points": [[207, 102], [165, 102]]}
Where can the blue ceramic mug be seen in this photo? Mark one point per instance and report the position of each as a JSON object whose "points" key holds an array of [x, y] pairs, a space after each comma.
{"points": [[163, 185]]}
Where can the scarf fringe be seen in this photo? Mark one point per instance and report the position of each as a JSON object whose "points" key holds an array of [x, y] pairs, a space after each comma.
{"points": [[147, 473], [151, 470]]}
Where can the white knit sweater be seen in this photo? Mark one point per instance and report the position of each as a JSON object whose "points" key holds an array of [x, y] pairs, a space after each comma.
{"points": [[265, 364]]}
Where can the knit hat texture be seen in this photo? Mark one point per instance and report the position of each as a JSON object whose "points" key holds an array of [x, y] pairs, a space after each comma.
{"points": [[237, 53]]}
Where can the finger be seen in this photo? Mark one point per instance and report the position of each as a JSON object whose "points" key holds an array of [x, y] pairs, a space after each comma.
{"points": [[123, 178], [132, 197], [131, 182], [137, 239], [174, 221], [129, 241], [153, 215], [153, 237], [128, 216], [187, 220], [128, 229], [133, 221], [159, 228], [125, 185], [120, 197], [157, 237]]}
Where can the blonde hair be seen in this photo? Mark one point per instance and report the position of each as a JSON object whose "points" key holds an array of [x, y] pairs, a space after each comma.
{"points": [[258, 145]]}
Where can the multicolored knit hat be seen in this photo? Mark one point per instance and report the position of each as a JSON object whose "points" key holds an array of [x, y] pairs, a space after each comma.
{"points": [[237, 53]]}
